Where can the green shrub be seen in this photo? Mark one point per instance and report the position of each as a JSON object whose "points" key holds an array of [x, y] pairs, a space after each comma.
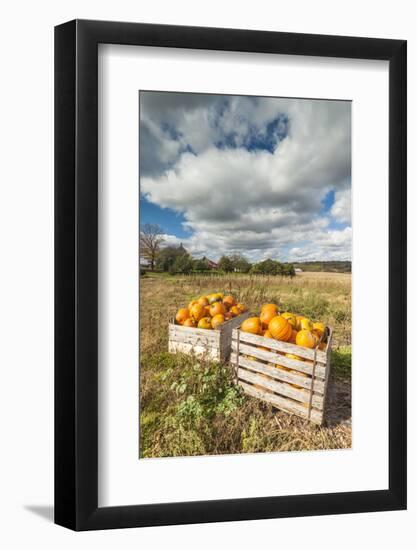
{"points": [[197, 395]]}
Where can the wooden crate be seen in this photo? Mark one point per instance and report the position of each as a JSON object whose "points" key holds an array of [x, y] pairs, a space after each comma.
{"points": [[297, 387], [213, 344]]}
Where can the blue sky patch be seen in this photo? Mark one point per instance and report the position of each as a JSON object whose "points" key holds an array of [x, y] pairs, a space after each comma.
{"points": [[275, 131], [327, 202], [170, 221], [257, 140], [337, 226]]}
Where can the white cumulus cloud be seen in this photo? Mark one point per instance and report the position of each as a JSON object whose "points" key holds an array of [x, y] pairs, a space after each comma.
{"points": [[250, 175], [341, 209]]}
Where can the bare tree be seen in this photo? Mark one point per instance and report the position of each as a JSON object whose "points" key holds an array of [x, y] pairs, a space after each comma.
{"points": [[151, 237]]}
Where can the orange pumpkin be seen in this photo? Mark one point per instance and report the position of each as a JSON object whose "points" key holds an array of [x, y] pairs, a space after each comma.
{"points": [[267, 334], [217, 308], [182, 315], [242, 307], [206, 311], [280, 328], [316, 337], [190, 322], [217, 297], [197, 311], [271, 307], [266, 316], [298, 322], [291, 318], [293, 337], [252, 325], [205, 322], [229, 300], [306, 339], [217, 320], [319, 328], [306, 324], [235, 311], [203, 301], [192, 303]]}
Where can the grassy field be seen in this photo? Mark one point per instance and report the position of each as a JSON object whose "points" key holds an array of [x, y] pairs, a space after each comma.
{"points": [[190, 406]]}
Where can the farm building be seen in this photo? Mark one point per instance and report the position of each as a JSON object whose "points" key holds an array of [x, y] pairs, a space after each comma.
{"points": [[182, 249], [298, 270], [210, 263]]}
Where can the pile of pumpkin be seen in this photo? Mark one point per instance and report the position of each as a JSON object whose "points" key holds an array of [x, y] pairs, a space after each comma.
{"points": [[286, 327], [209, 311]]}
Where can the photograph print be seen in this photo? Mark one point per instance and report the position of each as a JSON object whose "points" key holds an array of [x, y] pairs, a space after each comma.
{"points": [[244, 274]]}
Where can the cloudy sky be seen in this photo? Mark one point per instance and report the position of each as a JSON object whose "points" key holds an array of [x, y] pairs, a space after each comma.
{"points": [[266, 177]]}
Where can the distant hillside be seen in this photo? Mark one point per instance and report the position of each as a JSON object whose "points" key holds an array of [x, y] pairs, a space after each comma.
{"points": [[336, 267]]}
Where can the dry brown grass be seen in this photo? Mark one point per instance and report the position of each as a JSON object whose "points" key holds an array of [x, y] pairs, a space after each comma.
{"points": [[252, 426]]}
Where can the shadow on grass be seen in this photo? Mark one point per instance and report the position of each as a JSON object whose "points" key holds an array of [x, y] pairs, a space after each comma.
{"points": [[339, 399]]}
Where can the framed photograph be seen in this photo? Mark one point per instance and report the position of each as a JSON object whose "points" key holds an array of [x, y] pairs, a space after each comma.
{"points": [[230, 255]]}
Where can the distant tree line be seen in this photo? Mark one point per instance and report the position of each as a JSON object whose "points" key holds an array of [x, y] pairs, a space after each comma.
{"points": [[272, 267], [238, 263], [234, 263], [176, 259], [336, 266]]}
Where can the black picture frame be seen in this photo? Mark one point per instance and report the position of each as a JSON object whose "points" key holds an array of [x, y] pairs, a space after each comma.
{"points": [[76, 272]]}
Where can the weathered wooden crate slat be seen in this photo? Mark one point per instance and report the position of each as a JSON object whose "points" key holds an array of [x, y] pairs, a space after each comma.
{"points": [[213, 344], [279, 402], [295, 386], [278, 374], [284, 347], [273, 357], [282, 388]]}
